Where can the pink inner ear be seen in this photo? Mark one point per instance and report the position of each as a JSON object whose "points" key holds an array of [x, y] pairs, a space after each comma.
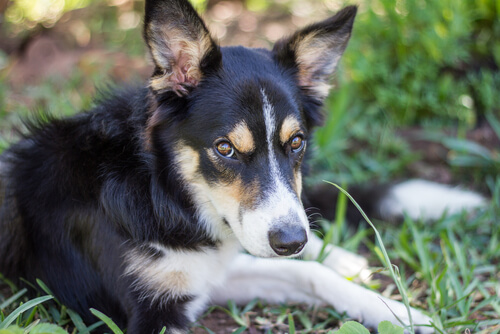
{"points": [[184, 73], [180, 78]]}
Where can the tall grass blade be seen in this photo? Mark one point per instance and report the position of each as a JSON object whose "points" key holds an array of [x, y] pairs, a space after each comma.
{"points": [[23, 308], [107, 320], [46, 289], [389, 265], [78, 322], [291, 324]]}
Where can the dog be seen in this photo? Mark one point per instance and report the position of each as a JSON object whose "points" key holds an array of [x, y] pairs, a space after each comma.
{"points": [[140, 206]]}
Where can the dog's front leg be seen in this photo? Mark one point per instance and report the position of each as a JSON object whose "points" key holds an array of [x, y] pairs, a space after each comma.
{"points": [[344, 262], [150, 316], [282, 280]]}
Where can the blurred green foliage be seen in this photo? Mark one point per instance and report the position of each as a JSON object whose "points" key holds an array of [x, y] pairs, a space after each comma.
{"points": [[409, 63], [413, 60], [408, 60], [46, 12]]}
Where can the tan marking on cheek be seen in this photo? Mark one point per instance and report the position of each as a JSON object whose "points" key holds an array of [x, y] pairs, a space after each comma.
{"points": [[188, 161], [251, 195], [289, 127], [234, 190], [242, 138], [237, 192]]}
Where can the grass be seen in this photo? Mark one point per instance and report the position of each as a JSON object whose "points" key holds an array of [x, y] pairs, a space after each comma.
{"points": [[449, 268]]}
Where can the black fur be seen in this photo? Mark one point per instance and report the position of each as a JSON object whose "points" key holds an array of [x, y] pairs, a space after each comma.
{"points": [[76, 194]]}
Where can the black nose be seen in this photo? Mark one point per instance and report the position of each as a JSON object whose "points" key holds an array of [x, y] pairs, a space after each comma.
{"points": [[288, 240]]}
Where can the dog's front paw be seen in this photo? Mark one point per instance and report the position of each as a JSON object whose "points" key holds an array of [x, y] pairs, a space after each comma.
{"points": [[390, 310]]}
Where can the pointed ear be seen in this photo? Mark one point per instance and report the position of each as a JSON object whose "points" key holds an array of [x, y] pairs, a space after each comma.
{"points": [[180, 45], [315, 51]]}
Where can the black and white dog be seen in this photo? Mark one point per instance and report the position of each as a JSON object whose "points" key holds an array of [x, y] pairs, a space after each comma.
{"points": [[139, 207]]}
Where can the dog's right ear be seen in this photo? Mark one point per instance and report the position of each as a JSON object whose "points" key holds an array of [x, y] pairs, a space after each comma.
{"points": [[180, 45]]}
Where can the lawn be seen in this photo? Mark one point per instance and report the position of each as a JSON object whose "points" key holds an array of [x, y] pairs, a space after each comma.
{"points": [[417, 95]]}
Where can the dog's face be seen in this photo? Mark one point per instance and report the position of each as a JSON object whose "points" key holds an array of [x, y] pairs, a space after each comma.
{"points": [[242, 120], [240, 151]]}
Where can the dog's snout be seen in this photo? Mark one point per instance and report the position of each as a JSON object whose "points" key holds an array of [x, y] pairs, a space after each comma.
{"points": [[287, 241]]}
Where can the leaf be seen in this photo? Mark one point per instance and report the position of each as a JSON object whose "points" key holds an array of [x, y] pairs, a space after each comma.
{"points": [[462, 145], [240, 330], [386, 327], [47, 329], [12, 330], [352, 327]]}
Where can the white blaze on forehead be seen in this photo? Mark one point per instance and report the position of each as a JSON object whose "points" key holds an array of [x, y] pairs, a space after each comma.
{"points": [[281, 194], [270, 122], [280, 207]]}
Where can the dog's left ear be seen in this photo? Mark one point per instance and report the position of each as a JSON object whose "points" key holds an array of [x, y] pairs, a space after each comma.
{"points": [[315, 51], [180, 45]]}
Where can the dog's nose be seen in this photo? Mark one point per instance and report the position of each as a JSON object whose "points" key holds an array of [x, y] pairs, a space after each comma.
{"points": [[288, 240]]}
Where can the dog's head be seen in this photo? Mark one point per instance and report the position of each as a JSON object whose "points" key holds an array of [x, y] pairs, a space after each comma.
{"points": [[236, 121]]}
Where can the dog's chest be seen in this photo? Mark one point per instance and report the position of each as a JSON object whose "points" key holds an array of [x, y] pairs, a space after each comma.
{"points": [[173, 273]]}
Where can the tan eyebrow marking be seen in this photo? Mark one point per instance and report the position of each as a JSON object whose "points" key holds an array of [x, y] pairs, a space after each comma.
{"points": [[289, 127], [241, 137]]}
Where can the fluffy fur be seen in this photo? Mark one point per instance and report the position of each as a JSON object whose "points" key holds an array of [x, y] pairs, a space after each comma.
{"points": [[139, 206]]}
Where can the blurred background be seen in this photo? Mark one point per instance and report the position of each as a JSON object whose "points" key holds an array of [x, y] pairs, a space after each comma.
{"points": [[417, 92]]}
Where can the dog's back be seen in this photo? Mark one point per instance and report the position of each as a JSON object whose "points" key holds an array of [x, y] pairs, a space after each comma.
{"points": [[51, 215], [12, 240]]}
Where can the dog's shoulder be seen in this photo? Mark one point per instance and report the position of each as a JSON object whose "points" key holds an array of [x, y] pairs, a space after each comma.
{"points": [[63, 164], [79, 146]]}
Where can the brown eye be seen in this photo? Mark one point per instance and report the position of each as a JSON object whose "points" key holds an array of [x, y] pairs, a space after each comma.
{"points": [[225, 149], [297, 143]]}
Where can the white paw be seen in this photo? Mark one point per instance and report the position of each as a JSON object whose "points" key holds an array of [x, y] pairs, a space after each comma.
{"points": [[390, 310], [347, 264]]}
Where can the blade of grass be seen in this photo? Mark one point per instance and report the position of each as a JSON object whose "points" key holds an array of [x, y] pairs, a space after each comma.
{"points": [[396, 279], [291, 324], [78, 322], [13, 299], [46, 289], [95, 325], [107, 320], [23, 308]]}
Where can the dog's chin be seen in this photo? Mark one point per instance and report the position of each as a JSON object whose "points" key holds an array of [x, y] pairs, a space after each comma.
{"points": [[268, 252]]}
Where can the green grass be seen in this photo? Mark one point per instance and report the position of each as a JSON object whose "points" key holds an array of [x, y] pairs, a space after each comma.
{"points": [[449, 268]]}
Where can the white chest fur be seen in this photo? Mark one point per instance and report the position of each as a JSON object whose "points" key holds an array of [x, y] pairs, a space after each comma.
{"points": [[178, 273]]}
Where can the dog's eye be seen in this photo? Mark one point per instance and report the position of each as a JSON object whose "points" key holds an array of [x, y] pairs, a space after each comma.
{"points": [[225, 149], [297, 143]]}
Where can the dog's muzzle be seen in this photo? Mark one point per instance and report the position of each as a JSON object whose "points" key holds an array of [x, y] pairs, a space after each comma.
{"points": [[289, 240]]}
